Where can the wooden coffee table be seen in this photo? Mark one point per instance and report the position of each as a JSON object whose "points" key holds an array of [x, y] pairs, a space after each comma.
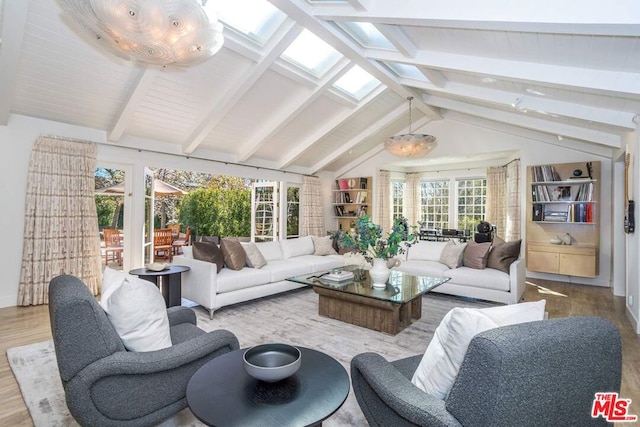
{"points": [[221, 393], [388, 310]]}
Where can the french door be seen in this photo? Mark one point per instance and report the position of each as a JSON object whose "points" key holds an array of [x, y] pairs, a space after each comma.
{"points": [[275, 211]]}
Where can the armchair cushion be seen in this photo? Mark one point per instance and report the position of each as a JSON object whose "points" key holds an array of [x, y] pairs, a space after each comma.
{"points": [[138, 313], [442, 359]]}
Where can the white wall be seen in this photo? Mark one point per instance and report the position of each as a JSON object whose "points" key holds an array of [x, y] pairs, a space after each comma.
{"points": [[17, 139], [457, 139]]}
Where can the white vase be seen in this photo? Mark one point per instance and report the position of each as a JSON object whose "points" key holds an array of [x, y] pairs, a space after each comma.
{"points": [[379, 273]]}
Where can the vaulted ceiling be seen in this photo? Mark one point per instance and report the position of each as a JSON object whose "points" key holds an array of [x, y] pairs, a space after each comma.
{"points": [[570, 70]]}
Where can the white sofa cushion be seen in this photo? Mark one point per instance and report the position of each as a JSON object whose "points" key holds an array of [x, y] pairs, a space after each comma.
{"points": [[319, 263], [423, 268], [281, 270], [231, 280], [441, 362], [488, 278], [271, 251], [296, 247], [139, 315], [429, 251]]}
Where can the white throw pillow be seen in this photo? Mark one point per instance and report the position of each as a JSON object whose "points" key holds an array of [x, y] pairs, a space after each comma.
{"points": [[441, 362], [111, 280], [255, 259], [430, 251], [137, 311], [323, 245], [297, 247]]}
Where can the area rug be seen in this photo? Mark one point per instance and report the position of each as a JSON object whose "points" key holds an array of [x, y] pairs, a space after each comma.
{"points": [[289, 318]]}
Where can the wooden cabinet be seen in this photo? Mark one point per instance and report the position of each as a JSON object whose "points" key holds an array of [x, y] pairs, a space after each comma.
{"points": [[351, 199], [563, 198], [570, 260]]}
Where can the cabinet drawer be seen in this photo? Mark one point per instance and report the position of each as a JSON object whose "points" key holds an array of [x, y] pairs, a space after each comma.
{"points": [[544, 262], [578, 265]]}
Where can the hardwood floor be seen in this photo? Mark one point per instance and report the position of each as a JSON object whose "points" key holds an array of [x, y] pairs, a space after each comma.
{"points": [[26, 325]]}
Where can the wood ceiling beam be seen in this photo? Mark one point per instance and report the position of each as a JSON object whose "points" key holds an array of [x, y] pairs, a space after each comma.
{"points": [[290, 112], [380, 124], [540, 104], [589, 17], [301, 13], [14, 19], [220, 107], [528, 122], [329, 125], [140, 87], [614, 83]]}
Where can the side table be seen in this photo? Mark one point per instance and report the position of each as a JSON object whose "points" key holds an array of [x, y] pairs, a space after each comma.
{"points": [[170, 282], [221, 393]]}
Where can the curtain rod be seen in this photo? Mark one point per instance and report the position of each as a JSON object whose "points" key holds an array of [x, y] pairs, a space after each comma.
{"points": [[140, 150]]}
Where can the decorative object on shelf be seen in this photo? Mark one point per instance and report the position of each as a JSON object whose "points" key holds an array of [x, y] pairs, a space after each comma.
{"points": [[411, 145], [556, 240], [566, 239], [379, 273], [179, 32], [577, 173]]}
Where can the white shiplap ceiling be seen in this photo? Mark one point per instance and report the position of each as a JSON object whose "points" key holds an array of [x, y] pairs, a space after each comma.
{"points": [[570, 68]]}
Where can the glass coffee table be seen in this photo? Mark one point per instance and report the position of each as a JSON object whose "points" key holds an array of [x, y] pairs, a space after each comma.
{"points": [[388, 310]]}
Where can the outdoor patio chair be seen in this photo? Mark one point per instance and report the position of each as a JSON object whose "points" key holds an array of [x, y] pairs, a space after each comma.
{"points": [[163, 243], [180, 242], [112, 245]]}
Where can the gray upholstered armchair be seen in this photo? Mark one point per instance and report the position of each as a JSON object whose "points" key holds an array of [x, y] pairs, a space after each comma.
{"points": [[543, 373], [106, 385]]}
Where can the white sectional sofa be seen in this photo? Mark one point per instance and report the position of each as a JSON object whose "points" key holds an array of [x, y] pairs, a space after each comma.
{"points": [[487, 284], [204, 285]]}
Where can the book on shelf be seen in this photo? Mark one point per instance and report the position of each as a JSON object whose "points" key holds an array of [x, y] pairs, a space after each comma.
{"points": [[556, 216], [538, 212], [545, 173], [363, 183]]}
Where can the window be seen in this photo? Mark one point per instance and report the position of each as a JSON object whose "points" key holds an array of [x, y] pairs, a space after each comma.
{"points": [[366, 34], [311, 53], [255, 19], [397, 202], [434, 203], [357, 83], [472, 197], [293, 211]]}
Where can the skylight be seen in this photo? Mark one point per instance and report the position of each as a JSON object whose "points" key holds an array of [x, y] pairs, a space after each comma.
{"points": [[357, 83], [311, 53], [255, 19], [406, 71], [366, 34]]}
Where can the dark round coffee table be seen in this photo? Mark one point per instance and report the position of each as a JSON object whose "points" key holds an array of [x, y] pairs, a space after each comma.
{"points": [[171, 282], [221, 393]]}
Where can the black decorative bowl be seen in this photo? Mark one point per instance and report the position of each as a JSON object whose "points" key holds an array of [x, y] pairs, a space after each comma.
{"points": [[272, 362]]}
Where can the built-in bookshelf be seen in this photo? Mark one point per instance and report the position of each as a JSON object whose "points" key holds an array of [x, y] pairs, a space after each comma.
{"points": [[563, 202], [351, 199]]}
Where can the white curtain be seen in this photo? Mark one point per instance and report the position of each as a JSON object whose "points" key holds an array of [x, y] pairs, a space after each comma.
{"points": [[513, 202], [412, 198], [312, 212], [383, 201], [61, 224], [496, 208]]}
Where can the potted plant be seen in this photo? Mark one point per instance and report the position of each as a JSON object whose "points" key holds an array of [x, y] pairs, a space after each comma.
{"points": [[366, 238]]}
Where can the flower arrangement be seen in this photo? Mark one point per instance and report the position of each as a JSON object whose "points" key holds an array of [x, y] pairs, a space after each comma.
{"points": [[366, 238]]}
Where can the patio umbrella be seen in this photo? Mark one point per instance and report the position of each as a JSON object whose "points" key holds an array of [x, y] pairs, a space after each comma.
{"points": [[161, 188]]}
